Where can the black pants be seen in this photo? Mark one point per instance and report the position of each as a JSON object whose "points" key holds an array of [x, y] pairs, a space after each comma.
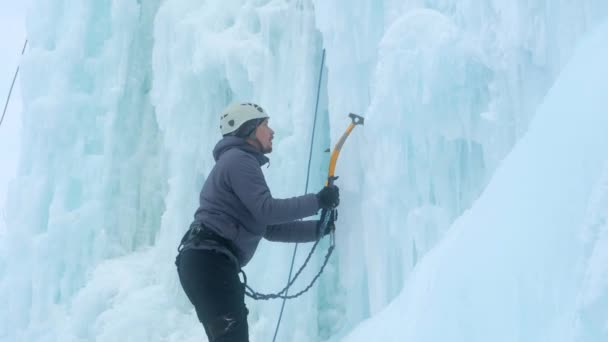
{"points": [[211, 282]]}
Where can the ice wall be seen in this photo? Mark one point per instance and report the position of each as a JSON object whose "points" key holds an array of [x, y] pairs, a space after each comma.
{"points": [[120, 115], [92, 181], [12, 40], [447, 88], [511, 268]]}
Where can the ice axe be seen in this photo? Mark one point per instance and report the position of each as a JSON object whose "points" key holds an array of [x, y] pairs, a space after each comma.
{"points": [[327, 215], [356, 120]]}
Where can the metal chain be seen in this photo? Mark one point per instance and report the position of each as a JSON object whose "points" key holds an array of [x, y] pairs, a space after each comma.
{"points": [[261, 296]]}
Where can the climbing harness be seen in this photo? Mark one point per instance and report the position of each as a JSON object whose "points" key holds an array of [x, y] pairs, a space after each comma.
{"points": [[8, 98]]}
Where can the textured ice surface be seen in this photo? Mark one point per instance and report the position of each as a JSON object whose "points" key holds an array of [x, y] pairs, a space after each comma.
{"points": [[511, 268], [121, 103]]}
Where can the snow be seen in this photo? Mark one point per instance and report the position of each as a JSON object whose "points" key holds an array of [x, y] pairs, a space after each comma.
{"points": [[467, 162]]}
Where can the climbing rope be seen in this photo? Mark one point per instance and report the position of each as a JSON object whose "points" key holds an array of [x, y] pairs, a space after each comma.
{"points": [[8, 98], [295, 249]]}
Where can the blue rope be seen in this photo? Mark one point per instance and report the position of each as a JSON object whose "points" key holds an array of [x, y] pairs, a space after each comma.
{"points": [[8, 98], [312, 139]]}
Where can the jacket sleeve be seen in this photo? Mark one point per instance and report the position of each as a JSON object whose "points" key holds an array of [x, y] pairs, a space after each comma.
{"points": [[296, 231], [249, 185]]}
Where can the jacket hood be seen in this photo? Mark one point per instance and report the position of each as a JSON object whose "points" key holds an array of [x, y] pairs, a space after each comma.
{"points": [[231, 142]]}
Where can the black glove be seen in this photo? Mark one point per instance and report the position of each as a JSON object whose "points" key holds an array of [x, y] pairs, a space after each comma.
{"points": [[331, 225], [329, 197]]}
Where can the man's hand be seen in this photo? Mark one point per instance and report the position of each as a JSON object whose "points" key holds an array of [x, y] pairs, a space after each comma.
{"points": [[329, 197], [331, 225]]}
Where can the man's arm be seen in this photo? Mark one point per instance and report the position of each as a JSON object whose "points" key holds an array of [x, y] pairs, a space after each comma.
{"points": [[249, 184], [295, 231]]}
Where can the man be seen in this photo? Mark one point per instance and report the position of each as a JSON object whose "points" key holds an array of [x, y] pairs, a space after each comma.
{"points": [[236, 211]]}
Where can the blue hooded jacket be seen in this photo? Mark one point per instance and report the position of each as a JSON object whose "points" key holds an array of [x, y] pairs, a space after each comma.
{"points": [[236, 204]]}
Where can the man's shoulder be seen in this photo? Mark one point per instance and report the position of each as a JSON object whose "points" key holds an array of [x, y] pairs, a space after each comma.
{"points": [[237, 156]]}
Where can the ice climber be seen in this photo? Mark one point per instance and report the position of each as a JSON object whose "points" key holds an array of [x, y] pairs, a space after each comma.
{"points": [[236, 211]]}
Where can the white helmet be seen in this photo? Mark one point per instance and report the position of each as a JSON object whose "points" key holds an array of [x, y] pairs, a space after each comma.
{"points": [[236, 114]]}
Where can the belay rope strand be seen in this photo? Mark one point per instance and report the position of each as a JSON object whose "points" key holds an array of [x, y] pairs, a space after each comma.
{"points": [[295, 248], [8, 98]]}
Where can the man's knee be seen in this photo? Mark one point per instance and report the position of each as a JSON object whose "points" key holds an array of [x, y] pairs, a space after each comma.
{"points": [[231, 327]]}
